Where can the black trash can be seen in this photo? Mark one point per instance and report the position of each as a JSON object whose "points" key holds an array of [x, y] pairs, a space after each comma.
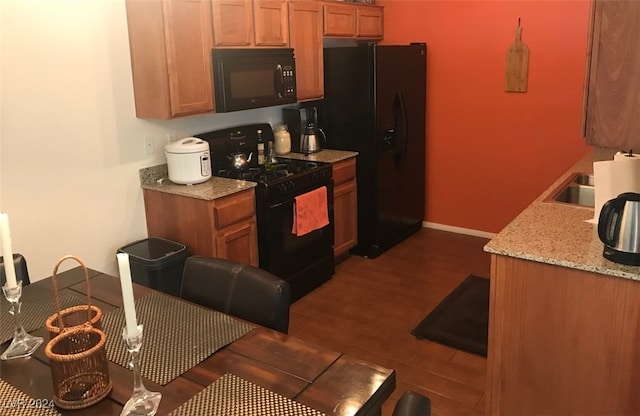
{"points": [[157, 263]]}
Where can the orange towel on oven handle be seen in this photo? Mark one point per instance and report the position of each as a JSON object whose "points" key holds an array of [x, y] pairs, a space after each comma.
{"points": [[310, 211]]}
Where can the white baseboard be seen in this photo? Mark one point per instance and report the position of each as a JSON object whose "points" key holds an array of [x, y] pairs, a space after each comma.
{"points": [[458, 230]]}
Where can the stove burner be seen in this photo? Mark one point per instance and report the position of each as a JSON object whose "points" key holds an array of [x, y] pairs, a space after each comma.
{"points": [[284, 168]]}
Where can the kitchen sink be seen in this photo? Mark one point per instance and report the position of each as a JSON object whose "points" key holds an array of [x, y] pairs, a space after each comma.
{"points": [[578, 189], [585, 179]]}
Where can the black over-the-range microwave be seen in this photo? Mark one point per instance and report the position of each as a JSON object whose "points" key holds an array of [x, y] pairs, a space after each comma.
{"points": [[253, 78]]}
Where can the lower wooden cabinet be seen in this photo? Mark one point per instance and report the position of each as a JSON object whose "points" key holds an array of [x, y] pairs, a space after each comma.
{"points": [[345, 207], [224, 227], [562, 341]]}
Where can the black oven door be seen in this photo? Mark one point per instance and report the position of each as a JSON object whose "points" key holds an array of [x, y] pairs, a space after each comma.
{"points": [[305, 261], [253, 78]]}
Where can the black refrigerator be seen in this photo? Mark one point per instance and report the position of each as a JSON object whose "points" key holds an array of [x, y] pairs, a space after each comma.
{"points": [[375, 103]]}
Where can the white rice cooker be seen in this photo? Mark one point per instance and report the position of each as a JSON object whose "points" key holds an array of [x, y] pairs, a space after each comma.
{"points": [[188, 160]]}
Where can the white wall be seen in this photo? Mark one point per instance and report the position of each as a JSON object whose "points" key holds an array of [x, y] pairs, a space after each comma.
{"points": [[1, 100], [70, 145]]}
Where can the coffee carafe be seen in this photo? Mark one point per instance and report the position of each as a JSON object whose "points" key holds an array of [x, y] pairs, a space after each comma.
{"points": [[310, 140], [304, 129]]}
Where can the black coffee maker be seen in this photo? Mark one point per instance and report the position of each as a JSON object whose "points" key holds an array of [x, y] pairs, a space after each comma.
{"points": [[299, 121]]}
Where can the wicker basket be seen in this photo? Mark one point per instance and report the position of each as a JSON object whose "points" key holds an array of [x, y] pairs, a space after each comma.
{"points": [[77, 358], [75, 315]]}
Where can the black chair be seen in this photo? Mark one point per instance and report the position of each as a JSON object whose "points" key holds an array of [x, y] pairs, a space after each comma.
{"points": [[237, 289], [20, 264], [412, 404]]}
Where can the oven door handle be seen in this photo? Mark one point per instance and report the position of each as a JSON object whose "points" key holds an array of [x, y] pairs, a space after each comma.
{"points": [[279, 75], [279, 204]]}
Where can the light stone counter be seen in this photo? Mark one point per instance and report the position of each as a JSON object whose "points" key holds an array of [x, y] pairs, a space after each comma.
{"points": [[156, 178], [558, 233], [325, 155]]}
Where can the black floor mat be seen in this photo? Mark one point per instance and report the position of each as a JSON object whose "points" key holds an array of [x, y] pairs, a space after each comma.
{"points": [[461, 320]]}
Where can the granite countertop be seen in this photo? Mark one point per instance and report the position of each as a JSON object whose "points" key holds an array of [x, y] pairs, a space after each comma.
{"points": [[156, 178], [558, 233], [325, 155]]}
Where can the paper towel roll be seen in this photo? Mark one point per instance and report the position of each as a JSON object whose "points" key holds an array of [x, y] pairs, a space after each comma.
{"points": [[614, 177], [626, 156]]}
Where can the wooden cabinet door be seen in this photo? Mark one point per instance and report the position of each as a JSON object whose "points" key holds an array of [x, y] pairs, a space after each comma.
{"points": [[232, 22], [613, 87], [305, 25], [170, 45], [270, 23], [339, 20], [239, 243], [345, 212], [345, 207], [369, 22], [223, 228], [235, 224], [538, 316], [189, 56]]}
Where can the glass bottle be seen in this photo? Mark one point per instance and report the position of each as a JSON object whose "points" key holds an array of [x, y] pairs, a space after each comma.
{"points": [[271, 160], [261, 154]]}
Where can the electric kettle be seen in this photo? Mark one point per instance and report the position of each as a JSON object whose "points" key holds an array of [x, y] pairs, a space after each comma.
{"points": [[310, 141], [619, 229]]}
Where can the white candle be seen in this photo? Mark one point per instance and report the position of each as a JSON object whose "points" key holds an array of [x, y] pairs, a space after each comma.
{"points": [[127, 294], [7, 252]]}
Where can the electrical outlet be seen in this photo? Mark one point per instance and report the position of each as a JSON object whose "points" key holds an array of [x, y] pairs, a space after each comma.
{"points": [[149, 145]]}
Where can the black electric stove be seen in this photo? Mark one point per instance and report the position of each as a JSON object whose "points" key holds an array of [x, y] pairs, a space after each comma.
{"points": [[304, 261]]}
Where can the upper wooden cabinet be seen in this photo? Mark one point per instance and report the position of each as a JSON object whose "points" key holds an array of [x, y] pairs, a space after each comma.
{"points": [[612, 95], [270, 23], [369, 22], [305, 25], [243, 23], [170, 44], [349, 20]]}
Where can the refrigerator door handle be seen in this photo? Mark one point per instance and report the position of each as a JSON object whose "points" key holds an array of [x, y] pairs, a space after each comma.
{"points": [[400, 108]]}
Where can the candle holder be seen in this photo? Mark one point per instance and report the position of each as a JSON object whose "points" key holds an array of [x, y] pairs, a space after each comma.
{"points": [[23, 344], [143, 401]]}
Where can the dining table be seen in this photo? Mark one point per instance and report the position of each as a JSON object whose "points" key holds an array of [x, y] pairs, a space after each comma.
{"points": [[276, 365]]}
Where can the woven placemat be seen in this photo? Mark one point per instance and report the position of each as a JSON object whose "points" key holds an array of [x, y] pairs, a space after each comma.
{"points": [[37, 306], [231, 395], [16, 403], [177, 335]]}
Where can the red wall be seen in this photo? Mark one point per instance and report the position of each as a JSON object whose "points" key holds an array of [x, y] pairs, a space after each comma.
{"points": [[489, 152]]}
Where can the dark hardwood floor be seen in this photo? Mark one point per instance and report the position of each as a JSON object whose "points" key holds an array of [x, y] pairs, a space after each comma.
{"points": [[370, 306]]}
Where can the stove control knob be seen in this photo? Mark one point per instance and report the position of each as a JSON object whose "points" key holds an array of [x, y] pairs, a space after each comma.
{"points": [[286, 186]]}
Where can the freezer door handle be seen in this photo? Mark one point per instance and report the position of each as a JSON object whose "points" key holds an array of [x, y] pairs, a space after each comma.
{"points": [[400, 111]]}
